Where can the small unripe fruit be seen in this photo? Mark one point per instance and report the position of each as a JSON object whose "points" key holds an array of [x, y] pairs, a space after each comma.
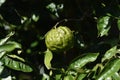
{"points": [[59, 39]]}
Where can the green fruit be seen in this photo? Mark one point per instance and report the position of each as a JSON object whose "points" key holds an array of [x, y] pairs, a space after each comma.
{"points": [[59, 39]]}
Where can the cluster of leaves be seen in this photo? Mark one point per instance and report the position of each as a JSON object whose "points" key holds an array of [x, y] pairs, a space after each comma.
{"points": [[9, 59], [96, 51]]}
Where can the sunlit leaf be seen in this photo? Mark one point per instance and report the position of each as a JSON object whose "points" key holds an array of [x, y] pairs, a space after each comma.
{"points": [[16, 65], [47, 59], [1, 67], [110, 53], [3, 41], [81, 76], [7, 78], [2, 54], [16, 57], [69, 77], [108, 78], [45, 77], [52, 7], [1, 2], [111, 68], [103, 26], [116, 76], [82, 61], [35, 17], [10, 46]]}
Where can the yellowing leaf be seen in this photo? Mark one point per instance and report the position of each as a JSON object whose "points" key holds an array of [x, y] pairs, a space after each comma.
{"points": [[47, 59]]}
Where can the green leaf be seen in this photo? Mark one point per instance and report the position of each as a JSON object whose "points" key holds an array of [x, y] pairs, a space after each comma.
{"points": [[1, 67], [96, 70], [16, 65], [47, 59], [2, 54], [83, 60], [52, 7], [58, 76], [69, 77], [108, 78], [2, 2], [81, 76], [34, 44], [103, 26], [7, 78], [112, 42], [3, 41], [10, 46], [118, 23], [45, 77], [116, 76], [35, 17], [110, 53], [110, 68], [16, 57]]}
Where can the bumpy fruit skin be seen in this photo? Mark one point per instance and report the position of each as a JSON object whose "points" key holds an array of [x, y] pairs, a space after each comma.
{"points": [[59, 39]]}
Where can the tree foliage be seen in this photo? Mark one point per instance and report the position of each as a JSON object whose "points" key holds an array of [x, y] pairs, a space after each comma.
{"points": [[96, 28]]}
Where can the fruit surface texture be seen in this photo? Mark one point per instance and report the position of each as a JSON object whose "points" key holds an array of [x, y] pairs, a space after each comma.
{"points": [[59, 39]]}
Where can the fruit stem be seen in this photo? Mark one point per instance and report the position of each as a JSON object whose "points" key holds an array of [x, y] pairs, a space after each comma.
{"points": [[64, 20]]}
